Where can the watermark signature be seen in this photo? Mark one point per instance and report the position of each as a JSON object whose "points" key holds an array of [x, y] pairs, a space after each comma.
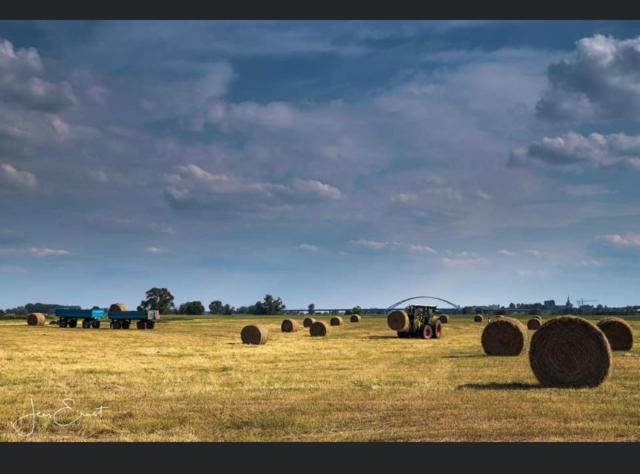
{"points": [[66, 415]]}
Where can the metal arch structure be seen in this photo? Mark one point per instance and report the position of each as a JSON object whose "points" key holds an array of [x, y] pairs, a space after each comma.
{"points": [[420, 297]]}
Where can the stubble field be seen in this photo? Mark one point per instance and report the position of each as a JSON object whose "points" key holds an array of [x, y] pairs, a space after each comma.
{"points": [[193, 380]]}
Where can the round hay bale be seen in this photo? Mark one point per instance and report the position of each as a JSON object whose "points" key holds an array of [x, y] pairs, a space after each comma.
{"points": [[478, 318], [355, 318], [569, 351], [336, 321], [117, 307], [398, 320], [290, 325], [254, 334], [307, 322], [504, 337], [534, 324], [618, 332], [319, 329], [36, 319], [444, 318]]}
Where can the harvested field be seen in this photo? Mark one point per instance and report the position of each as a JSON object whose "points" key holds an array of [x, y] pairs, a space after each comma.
{"points": [[192, 379]]}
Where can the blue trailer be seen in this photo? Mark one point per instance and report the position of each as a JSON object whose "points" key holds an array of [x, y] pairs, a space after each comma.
{"points": [[145, 319], [68, 317], [91, 318]]}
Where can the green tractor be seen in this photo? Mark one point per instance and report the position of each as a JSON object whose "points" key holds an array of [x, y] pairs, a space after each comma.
{"points": [[416, 321]]}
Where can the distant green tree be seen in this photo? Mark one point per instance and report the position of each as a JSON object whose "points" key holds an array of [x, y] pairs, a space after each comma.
{"points": [[354, 310], [269, 305], [226, 309], [216, 307], [192, 308], [159, 299], [312, 308]]}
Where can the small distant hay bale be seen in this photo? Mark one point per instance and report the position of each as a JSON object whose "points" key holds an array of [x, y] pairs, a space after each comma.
{"points": [[569, 351], [336, 321], [534, 324], [117, 307], [618, 332], [398, 320], [444, 318], [254, 334], [290, 325], [36, 319], [319, 329], [504, 337], [478, 318], [307, 322], [355, 318]]}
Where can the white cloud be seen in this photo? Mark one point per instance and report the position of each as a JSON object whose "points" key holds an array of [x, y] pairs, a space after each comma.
{"points": [[576, 151], [617, 240], [19, 83], [12, 176], [600, 81], [157, 250], [375, 245], [309, 248], [506, 253], [317, 188], [36, 251], [463, 259]]}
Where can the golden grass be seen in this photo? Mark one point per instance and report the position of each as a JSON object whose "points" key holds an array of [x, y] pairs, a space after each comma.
{"points": [[194, 380]]}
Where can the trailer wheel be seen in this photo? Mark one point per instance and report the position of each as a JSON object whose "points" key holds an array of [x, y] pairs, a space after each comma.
{"points": [[126, 324], [150, 324], [426, 332], [86, 324], [95, 324], [116, 324], [437, 329], [73, 323], [62, 323], [141, 325]]}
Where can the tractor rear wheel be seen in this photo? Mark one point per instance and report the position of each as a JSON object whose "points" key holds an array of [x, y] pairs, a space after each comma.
{"points": [[95, 324], [62, 323], [437, 329], [73, 323], [150, 324], [141, 325], [426, 332], [86, 324]]}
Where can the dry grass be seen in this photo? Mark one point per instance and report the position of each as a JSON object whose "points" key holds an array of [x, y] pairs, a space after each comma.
{"points": [[195, 380]]}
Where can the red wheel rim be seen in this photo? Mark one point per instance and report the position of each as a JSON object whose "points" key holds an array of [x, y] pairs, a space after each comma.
{"points": [[427, 332], [438, 330]]}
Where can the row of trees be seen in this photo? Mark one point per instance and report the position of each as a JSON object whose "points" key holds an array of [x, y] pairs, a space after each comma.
{"points": [[162, 300]]}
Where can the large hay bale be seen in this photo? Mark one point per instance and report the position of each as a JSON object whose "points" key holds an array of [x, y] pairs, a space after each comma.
{"points": [[336, 321], [478, 318], [534, 324], [618, 332], [36, 319], [569, 351], [117, 307], [444, 318], [290, 325], [254, 334], [355, 318], [504, 337], [307, 322], [319, 329], [398, 320]]}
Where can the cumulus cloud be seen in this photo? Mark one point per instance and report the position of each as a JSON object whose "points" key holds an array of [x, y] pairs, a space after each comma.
{"points": [[576, 151], [16, 178], [20, 84], [317, 188], [376, 245], [600, 81]]}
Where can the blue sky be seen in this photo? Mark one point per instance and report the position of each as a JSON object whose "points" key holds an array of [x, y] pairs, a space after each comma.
{"points": [[338, 163]]}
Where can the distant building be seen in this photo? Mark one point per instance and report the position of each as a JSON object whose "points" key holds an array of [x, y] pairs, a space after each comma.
{"points": [[568, 303], [550, 304]]}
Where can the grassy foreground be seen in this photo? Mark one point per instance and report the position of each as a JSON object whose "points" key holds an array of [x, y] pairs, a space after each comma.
{"points": [[193, 380]]}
